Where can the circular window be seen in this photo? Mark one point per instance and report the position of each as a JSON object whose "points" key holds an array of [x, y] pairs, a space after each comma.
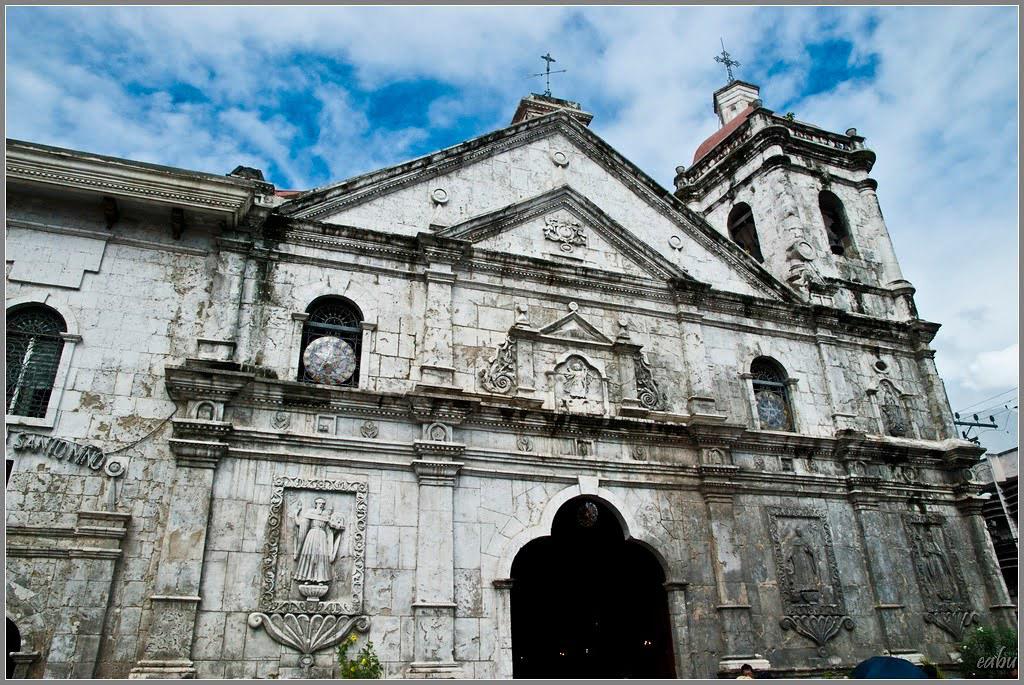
{"points": [[881, 366]]}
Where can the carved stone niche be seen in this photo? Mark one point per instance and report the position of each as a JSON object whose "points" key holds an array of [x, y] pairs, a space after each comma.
{"points": [[570, 365], [578, 387], [813, 604], [312, 573], [939, 575]]}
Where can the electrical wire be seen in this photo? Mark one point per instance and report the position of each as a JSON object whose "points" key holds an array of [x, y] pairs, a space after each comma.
{"points": [[987, 399]]}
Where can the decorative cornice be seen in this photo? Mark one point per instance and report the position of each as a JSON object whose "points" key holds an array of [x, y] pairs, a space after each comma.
{"points": [[436, 472], [198, 454], [227, 196]]}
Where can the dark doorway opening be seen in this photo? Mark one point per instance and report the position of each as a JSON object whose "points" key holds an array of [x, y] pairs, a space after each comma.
{"points": [[587, 603], [13, 645]]}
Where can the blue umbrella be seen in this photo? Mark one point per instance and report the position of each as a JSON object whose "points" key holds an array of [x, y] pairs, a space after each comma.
{"points": [[887, 667]]}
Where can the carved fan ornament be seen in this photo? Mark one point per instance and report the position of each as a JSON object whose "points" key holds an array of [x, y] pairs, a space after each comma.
{"points": [[812, 594]]}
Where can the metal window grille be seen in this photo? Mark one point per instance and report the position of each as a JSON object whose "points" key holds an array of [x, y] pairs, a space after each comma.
{"points": [[771, 395], [338, 319], [34, 345]]}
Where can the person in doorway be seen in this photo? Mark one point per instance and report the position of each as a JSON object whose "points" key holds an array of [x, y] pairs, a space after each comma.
{"points": [[746, 672]]}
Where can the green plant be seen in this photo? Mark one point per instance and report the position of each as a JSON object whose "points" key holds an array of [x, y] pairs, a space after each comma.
{"points": [[989, 653], [365, 664], [791, 116]]}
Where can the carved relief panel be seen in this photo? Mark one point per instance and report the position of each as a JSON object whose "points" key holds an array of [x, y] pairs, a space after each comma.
{"points": [[938, 575], [812, 594], [315, 545], [578, 386]]}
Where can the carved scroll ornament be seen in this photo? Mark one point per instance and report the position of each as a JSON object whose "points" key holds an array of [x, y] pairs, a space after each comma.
{"points": [[500, 374], [648, 392]]}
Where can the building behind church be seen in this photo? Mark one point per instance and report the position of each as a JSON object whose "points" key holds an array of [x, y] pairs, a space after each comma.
{"points": [[508, 409]]}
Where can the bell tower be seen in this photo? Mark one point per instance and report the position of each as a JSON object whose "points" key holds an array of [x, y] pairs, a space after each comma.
{"points": [[799, 200]]}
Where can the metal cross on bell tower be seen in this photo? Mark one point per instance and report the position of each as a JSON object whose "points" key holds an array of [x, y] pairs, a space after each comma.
{"points": [[547, 73], [727, 60]]}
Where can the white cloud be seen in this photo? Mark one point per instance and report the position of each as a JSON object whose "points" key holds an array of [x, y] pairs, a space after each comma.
{"points": [[994, 369]]}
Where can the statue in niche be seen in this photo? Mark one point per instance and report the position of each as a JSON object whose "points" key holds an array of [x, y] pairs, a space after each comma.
{"points": [[576, 379], [578, 386], [936, 568], [316, 548], [802, 568]]}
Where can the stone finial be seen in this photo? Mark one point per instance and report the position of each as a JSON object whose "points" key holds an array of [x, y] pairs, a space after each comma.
{"points": [[522, 315]]}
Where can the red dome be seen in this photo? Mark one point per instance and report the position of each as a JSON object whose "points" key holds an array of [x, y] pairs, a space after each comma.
{"points": [[721, 134]]}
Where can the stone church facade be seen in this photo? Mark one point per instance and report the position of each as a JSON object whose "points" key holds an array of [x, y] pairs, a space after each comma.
{"points": [[460, 403]]}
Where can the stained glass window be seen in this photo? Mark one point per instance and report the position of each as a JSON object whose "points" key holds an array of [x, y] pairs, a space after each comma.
{"points": [[771, 395], [34, 344], [331, 343]]}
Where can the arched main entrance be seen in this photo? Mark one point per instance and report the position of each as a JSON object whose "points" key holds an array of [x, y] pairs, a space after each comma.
{"points": [[13, 645], [587, 603]]}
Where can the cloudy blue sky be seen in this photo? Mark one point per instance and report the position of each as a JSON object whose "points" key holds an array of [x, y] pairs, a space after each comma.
{"points": [[314, 95]]}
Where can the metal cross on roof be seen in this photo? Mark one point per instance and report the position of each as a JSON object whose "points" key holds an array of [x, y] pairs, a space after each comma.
{"points": [[728, 61], [547, 73]]}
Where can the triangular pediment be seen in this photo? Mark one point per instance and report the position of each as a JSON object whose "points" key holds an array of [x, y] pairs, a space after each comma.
{"points": [[487, 175], [564, 227], [574, 327]]}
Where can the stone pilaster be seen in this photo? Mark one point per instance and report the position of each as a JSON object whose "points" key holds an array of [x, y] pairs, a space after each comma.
{"points": [[679, 616], [503, 610], [733, 598], [935, 393], [883, 246], [434, 354], [700, 402], [434, 604], [89, 552], [883, 585], [168, 646], [1000, 607]]}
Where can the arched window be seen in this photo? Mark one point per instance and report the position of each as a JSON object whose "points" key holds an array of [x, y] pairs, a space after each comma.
{"points": [[34, 344], [771, 394], [743, 232], [837, 228], [890, 406], [331, 342]]}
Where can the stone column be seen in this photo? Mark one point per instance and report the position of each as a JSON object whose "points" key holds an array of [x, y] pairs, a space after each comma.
{"points": [[1000, 607], [168, 647], [679, 615], [434, 604]]}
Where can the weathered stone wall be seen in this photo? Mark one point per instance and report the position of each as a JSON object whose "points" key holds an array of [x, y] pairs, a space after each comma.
{"points": [[188, 359]]}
